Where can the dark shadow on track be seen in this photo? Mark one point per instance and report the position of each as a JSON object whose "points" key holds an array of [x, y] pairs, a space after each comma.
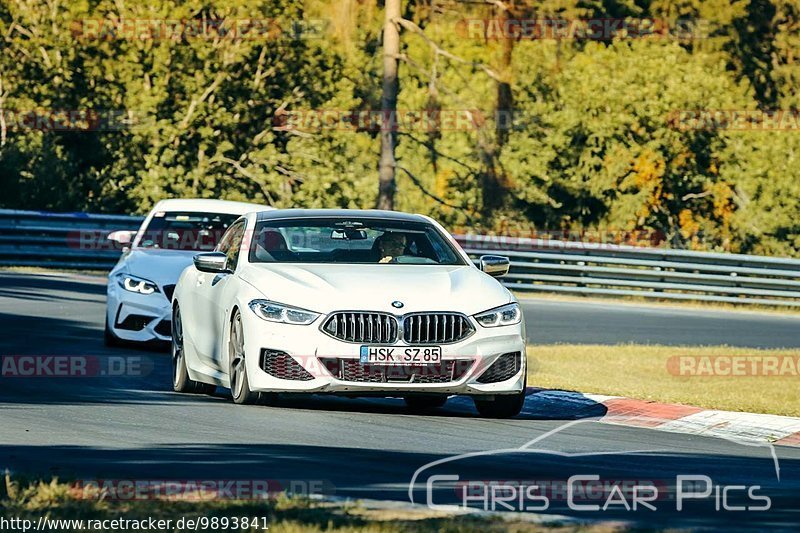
{"points": [[385, 474], [28, 283], [43, 334], [150, 382]]}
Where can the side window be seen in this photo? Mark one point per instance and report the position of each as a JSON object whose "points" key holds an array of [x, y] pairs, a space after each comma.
{"points": [[231, 243]]}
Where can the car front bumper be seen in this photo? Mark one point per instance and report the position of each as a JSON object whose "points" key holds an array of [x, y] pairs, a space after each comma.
{"points": [[464, 363], [124, 309]]}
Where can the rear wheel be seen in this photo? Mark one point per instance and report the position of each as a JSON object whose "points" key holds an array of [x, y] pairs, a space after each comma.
{"points": [[240, 386], [181, 382], [425, 402]]}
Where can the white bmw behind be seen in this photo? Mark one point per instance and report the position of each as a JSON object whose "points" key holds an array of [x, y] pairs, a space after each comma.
{"points": [[362, 303], [140, 286]]}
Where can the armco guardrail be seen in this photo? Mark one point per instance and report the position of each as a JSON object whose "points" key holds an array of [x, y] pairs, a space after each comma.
{"points": [[31, 238], [60, 240], [615, 270]]}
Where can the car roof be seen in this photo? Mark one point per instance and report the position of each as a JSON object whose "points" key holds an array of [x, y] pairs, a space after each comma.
{"points": [[375, 214], [209, 206]]}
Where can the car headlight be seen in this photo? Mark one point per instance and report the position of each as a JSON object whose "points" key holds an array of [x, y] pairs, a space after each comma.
{"points": [[134, 284], [275, 312], [500, 316]]}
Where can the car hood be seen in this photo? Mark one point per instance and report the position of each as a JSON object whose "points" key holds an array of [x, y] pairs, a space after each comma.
{"points": [[326, 288], [163, 267]]}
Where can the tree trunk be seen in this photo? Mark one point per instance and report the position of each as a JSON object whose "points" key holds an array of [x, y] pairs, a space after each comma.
{"points": [[505, 100], [2, 117], [493, 190], [391, 85]]}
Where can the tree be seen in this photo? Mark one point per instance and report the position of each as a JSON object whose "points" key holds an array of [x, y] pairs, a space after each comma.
{"points": [[603, 149], [593, 143], [391, 85]]}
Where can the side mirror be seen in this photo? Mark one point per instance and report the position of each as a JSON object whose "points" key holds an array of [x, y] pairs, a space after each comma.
{"points": [[211, 262], [121, 237], [495, 265]]}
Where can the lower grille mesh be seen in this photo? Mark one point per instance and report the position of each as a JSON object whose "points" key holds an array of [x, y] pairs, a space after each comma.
{"points": [[354, 371], [506, 367]]}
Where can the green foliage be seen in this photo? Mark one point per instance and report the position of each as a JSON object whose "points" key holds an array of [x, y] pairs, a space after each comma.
{"points": [[593, 142], [765, 169], [602, 149]]}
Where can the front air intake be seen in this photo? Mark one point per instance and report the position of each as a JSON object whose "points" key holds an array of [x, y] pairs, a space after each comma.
{"points": [[281, 365], [505, 367]]}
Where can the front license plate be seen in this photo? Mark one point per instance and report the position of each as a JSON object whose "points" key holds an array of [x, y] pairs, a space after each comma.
{"points": [[401, 355]]}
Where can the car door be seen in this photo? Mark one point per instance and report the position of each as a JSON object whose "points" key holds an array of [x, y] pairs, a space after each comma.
{"points": [[213, 292]]}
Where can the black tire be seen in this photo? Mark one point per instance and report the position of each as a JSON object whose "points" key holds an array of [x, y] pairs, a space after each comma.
{"points": [[503, 406], [109, 339], [181, 382], [237, 369], [425, 402]]}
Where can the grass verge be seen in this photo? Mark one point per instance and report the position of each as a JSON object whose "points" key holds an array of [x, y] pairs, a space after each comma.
{"points": [[31, 499], [745, 307], [710, 377]]}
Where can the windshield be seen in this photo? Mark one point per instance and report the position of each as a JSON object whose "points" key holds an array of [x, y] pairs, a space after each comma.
{"points": [[185, 230], [351, 240]]}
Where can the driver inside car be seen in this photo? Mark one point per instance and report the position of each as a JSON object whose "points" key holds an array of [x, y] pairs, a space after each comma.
{"points": [[271, 245], [390, 246]]}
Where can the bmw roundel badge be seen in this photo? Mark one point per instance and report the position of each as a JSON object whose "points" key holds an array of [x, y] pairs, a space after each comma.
{"points": [[397, 304]]}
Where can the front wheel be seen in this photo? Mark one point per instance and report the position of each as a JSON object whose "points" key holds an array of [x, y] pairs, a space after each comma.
{"points": [[240, 385], [181, 382], [503, 406]]}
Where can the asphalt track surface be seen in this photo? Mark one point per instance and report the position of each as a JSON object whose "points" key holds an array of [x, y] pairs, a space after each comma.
{"points": [[134, 427]]}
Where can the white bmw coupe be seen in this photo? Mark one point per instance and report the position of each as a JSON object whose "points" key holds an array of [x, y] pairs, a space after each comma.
{"points": [[361, 303]]}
